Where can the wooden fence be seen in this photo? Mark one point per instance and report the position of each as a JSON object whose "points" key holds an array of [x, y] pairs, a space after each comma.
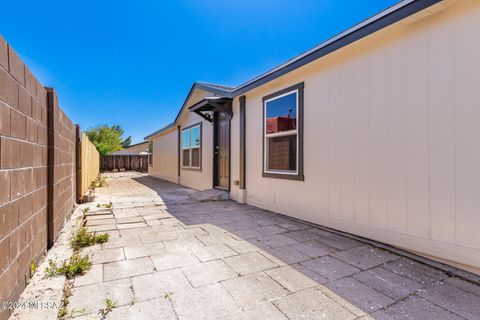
{"points": [[88, 164], [128, 162]]}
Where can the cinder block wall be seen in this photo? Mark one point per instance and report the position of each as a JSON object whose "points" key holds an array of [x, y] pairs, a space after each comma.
{"points": [[24, 172], [62, 143]]}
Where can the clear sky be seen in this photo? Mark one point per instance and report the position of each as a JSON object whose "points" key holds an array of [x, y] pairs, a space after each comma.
{"points": [[132, 62]]}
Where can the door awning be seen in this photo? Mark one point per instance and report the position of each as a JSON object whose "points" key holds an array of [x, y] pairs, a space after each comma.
{"points": [[212, 104]]}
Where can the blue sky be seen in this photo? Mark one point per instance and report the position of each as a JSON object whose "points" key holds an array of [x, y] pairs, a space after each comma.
{"points": [[132, 62]]}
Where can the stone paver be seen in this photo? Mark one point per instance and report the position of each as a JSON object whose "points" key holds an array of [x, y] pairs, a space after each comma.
{"points": [[208, 273], [360, 295], [311, 304], [288, 255], [414, 308], [208, 302], [254, 289], [313, 249], [249, 263], [291, 279], [172, 257], [144, 250], [213, 252], [91, 298], [127, 268], [388, 282], [107, 255], [330, 267], [451, 298], [159, 284], [159, 308], [365, 257], [169, 260]]}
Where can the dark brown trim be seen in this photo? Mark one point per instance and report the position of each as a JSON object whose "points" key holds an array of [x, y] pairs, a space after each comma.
{"points": [[215, 181], [214, 156], [299, 176], [230, 151], [201, 147], [78, 158], [50, 165], [242, 142], [179, 146]]}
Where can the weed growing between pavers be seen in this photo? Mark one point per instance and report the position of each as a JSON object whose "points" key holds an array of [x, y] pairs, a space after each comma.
{"points": [[99, 182], [102, 182], [106, 205], [76, 265], [82, 238], [109, 306], [67, 293]]}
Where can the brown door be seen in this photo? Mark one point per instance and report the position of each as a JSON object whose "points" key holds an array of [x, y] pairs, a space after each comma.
{"points": [[222, 151]]}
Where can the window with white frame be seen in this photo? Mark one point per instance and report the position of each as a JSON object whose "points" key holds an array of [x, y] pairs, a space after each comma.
{"points": [[283, 145], [191, 146]]}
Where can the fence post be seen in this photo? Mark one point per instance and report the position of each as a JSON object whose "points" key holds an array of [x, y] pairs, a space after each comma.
{"points": [[78, 158], [50, 165]]}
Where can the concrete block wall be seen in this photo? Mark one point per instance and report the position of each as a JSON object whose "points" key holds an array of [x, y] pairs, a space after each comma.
{"points": [[24, 160], [62, 142]]}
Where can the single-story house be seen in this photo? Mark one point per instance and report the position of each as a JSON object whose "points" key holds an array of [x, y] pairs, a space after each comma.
{"points": [[374, 132], [135, 149]]}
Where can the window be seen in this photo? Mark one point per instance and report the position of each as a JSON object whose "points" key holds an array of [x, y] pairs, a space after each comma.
{"points": [[150, 153], [283, 134], [191, 146]]}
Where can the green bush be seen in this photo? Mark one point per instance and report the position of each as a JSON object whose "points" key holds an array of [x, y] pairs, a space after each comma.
{"points": [[76, 265], [82, 238]]}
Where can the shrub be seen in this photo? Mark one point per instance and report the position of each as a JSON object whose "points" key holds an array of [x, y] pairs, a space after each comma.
{"points": [[82, 238], [76, 265]]}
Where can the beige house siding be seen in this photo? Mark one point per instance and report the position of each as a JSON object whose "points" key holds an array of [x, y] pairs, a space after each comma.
{"points": [[165, 156], [165, 148], [390, 136], [391, 129]]}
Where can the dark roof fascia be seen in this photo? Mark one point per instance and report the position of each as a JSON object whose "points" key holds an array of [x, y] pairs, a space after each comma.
{"points": [[196, 85], [381, 20]]}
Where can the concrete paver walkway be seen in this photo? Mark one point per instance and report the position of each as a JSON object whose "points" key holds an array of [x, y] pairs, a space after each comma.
{"points": [[172, 257]]}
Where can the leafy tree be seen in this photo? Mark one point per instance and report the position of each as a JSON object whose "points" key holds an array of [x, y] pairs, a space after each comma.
{"points": [[108, 139], [127, 142]]}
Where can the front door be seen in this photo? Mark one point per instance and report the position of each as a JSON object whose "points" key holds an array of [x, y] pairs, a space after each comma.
{"points": [[222, 151]]}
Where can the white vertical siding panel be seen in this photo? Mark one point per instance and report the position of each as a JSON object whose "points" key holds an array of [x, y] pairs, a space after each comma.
{"points": [[334, 119], [417, 131], [311, 146], [254, 138], [346, 154], [467, 103], [396, 134], [442, 131], [378, 133], [317, 173], [392, 127], [362, 140]]}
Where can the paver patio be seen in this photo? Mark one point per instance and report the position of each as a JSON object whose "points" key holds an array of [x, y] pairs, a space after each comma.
{"points": [[171, 257]]}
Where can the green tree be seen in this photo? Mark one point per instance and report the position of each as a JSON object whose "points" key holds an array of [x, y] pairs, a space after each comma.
{"points": [[108, 139], [127, 142]]}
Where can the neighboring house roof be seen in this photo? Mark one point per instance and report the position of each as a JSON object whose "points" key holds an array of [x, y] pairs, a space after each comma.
{"points": [[133, 146], [389, 16]]}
